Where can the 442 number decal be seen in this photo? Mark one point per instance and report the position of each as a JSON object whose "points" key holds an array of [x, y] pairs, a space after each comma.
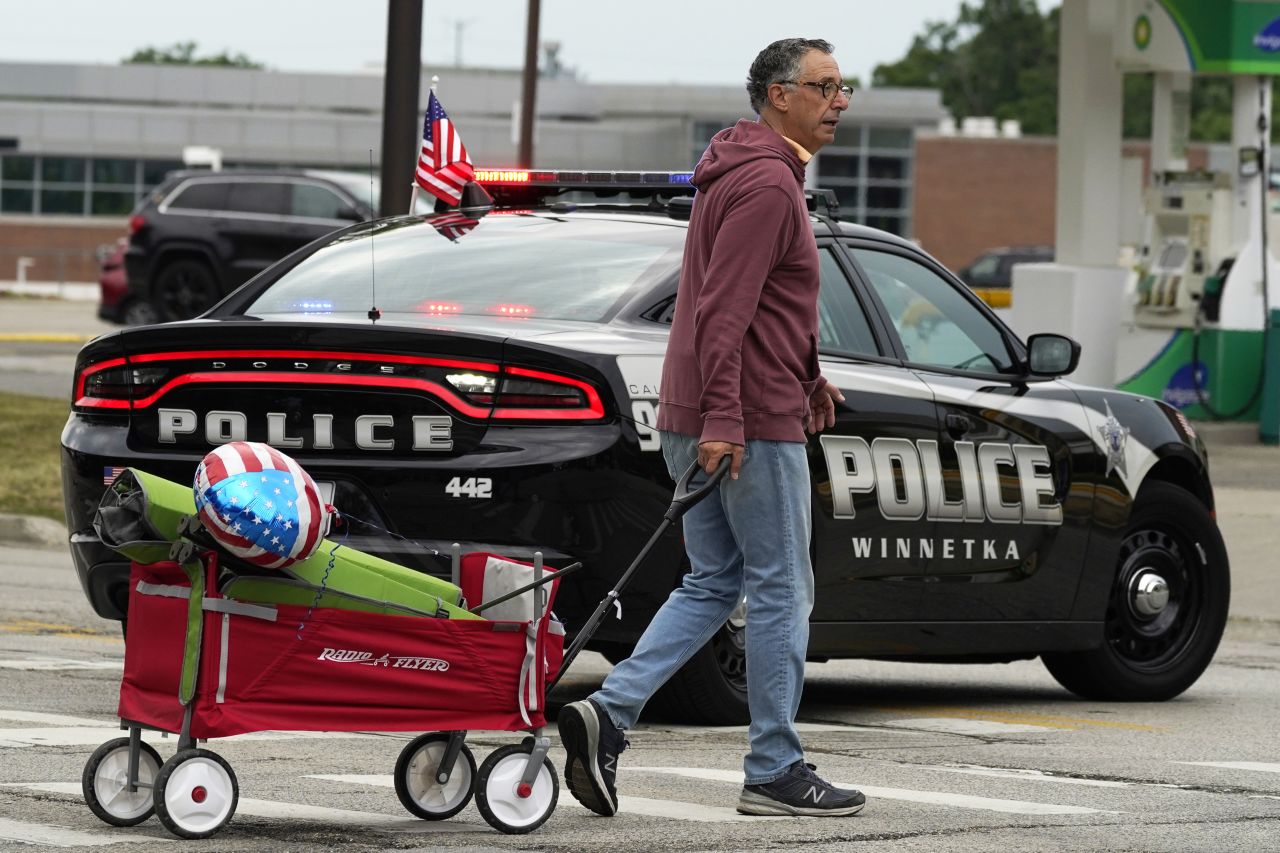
{"points": [[472, 487]]}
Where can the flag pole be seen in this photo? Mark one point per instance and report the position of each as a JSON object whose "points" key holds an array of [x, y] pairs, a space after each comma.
{"points": [[413, 185]]}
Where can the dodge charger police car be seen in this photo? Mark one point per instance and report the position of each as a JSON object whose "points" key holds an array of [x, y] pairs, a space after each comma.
{"points": [[490, 377]]}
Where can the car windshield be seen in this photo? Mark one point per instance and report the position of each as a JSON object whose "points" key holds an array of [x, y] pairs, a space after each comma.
{"points": [[543, 266]]}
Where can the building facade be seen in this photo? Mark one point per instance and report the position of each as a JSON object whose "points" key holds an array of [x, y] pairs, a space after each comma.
{"points": [[89, 140]]}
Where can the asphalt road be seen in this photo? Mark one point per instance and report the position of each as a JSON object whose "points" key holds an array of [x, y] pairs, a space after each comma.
{"points": [[962, 758]]}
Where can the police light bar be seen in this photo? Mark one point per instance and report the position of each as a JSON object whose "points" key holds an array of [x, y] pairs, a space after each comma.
{"points": [[580, 180]]}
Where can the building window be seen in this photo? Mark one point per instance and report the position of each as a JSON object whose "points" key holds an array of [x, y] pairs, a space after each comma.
{"points": [[153, 171], [111, 203], [16, 168], [839, 166], [62, 170], [890, 137], [115, 172], [16, 201], [62, 201], [869, 168]]}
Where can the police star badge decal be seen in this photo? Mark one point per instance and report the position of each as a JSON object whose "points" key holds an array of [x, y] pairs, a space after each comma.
{"points": [[1114, 437]]}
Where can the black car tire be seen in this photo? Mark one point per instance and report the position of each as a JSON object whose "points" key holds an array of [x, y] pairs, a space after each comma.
{"points": [[711, 688], [139, 312], [1153, 657], [185, 288]]}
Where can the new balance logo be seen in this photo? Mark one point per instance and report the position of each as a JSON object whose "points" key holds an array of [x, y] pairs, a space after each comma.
{"points": [[610, 763], [814, 794]]}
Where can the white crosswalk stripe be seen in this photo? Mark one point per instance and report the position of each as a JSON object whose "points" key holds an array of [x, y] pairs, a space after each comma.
{"points": [[1018, 774], [48, 835], [673, 809], [1260, 766], [937, 798]]}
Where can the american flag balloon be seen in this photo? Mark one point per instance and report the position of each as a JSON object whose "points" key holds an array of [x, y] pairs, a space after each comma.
{"points": [[260, 505]]}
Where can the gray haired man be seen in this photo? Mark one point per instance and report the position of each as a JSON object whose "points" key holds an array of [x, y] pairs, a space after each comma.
{"points": [[741, 380]]}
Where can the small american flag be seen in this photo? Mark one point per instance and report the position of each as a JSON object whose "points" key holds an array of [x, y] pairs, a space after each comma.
{"points": [[453, 225], [110, 472], [444, 166]]}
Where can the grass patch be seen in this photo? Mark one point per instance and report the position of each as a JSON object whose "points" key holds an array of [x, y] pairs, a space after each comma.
{"points": [[30, 433]]}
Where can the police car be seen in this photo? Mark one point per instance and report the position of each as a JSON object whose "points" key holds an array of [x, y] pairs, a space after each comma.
{"points": [[489, 376]]}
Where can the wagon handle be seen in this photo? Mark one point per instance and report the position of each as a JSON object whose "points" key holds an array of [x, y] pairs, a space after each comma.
{"points": [[686, 496], [684, 499]]}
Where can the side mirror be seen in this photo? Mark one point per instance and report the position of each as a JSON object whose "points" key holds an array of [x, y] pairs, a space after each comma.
{"points": [[350, 214], [1052, 355]]}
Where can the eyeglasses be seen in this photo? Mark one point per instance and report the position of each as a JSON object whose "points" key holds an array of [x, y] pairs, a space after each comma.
{"points": [[828, 89]]}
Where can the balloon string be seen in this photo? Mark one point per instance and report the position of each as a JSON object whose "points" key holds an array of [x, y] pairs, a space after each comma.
{"points": [[346, 516], [324, 581]]}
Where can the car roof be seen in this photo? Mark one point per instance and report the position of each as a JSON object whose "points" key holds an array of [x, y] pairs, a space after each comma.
{"points": [[225, 174]]}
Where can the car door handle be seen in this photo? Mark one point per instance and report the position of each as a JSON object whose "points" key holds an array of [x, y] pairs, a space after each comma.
{"points": [[958, 425]]}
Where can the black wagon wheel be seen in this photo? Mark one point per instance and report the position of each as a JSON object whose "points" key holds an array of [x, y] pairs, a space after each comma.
{"points": [[1167, 606]]}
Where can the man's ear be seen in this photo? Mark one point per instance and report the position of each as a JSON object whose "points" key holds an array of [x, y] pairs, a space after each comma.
{"points": [[777, 95]]}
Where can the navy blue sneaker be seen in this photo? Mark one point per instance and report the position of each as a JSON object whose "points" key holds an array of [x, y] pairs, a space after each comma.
{"points": [[800, 791], [594, 744]]}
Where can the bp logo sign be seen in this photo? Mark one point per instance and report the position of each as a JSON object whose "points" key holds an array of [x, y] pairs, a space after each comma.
{"points": [[1268, 39], [1142, 32]]}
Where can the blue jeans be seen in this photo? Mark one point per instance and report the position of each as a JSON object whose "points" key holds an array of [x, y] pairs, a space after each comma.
{"points": [[751, 535]]}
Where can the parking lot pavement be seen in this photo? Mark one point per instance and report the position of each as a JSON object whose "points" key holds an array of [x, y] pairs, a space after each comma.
{"points": [[39, 339]]}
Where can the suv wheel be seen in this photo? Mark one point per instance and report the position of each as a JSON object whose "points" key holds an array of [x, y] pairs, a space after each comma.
{"points": [[1168, 605], [139, 312], [186, 288]]}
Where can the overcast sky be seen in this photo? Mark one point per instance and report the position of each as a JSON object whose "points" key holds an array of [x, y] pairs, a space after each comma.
{"points": [[681, 41]]}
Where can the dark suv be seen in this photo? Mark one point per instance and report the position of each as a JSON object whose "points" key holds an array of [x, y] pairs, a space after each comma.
{"points": [[200, 235]]}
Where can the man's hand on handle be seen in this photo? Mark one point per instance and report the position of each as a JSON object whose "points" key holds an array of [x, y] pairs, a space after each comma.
{"points": [[709, 453], [822, 408]]}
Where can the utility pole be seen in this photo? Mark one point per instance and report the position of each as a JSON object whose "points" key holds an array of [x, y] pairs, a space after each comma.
{"points": [[458, 27], [400, 131], [529, 90]]}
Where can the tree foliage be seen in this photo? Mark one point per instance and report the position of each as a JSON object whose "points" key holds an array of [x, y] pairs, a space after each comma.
{"points": [[184, 53], [1000, 58]]}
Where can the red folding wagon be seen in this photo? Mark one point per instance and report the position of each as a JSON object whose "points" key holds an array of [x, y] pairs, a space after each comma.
{"points": [[357, 644]]}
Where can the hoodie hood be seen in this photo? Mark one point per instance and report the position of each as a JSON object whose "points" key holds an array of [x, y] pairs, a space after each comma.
{"points": [[742, 143]]}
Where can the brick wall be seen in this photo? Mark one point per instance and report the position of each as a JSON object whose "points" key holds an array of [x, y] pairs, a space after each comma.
{"points": [[64, 249], [971, 195]]}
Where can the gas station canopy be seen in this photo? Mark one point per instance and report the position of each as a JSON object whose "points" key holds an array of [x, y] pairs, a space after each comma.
{"points": [[1202, 36]]}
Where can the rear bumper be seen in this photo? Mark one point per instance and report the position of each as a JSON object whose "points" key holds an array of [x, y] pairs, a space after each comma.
{"points": [[565, 498]]}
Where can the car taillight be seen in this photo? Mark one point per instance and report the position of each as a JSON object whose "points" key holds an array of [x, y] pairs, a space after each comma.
{"points": [[523, 394], [113, 384], [136, 223]]}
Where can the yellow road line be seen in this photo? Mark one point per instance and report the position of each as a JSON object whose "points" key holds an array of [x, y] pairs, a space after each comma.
{"points": [[1047, 720], [44, 337], [53, 629]]}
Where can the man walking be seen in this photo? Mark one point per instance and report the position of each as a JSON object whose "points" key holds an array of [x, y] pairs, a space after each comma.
{"points": [[741, 380]]}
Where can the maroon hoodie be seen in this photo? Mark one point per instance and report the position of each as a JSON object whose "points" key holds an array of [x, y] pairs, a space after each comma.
{"points": [[742, 359]]}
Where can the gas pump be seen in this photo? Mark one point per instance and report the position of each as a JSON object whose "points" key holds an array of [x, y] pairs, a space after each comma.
{"points": [[1194, 324], [1185, 254]]}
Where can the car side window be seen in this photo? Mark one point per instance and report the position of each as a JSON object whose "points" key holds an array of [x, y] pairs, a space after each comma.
{"points": [[262, 197], [315, 201], [842, 324], [937, 325], [201, 195]]}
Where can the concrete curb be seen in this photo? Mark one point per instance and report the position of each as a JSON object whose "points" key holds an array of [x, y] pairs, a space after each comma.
{"points": [[31, 531]]}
